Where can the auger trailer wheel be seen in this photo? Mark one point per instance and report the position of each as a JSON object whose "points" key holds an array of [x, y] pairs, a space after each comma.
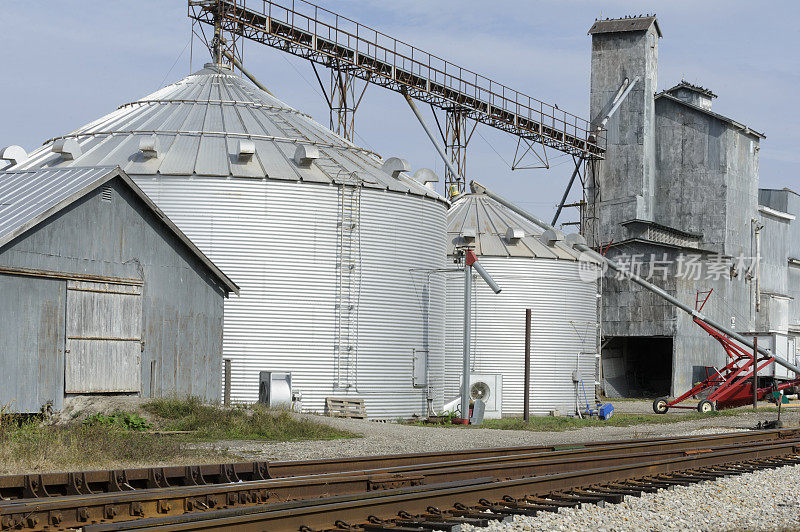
{"points": [[705, 406], [660, 405]]}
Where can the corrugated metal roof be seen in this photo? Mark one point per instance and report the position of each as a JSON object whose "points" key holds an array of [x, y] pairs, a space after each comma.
{"points": [[198, 123], [490, 221], [691, 86], [616, 25], [745, 129], [28, 197]]}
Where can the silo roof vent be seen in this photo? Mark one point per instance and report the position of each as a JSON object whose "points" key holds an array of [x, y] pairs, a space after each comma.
{"points": [[13, 154], [149, 147], [514, 234], [68, 148], [305, 154], [574, 239], [551, 236], [469, 234], [245, 149], [394, 166], [426, 176]]}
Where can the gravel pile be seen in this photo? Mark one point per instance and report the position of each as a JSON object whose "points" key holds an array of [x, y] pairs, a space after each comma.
{"points": [[765, 500]]}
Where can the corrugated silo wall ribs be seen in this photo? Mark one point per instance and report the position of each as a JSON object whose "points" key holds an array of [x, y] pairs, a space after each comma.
{"points": [[182, 303], [284, 319]]}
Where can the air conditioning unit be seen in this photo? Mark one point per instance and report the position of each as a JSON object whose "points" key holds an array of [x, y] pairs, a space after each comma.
{"points": [[488, 387], [275, 388]]}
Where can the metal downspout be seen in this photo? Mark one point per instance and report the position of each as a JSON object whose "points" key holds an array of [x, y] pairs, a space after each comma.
{"points": [[467, 325]]}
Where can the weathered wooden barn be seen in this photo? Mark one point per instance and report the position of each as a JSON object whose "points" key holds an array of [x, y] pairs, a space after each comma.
{"points": [[100, 293]]}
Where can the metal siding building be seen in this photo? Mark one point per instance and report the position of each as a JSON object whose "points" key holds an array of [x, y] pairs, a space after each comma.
{"points": [[678, 180], [329, 248], [101, 293], [532, 274]]}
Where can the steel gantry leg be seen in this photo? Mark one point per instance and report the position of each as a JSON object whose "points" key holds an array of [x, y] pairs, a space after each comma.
{"points": [[343, 97]]}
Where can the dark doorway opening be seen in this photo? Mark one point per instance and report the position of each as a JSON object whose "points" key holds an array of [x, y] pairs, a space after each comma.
{"points": [[637, 366]]}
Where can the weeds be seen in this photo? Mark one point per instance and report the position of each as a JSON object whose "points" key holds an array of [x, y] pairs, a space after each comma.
{"points": [[118, 439], [124, 420], [212, 422], [33, 446], [557, 424]]}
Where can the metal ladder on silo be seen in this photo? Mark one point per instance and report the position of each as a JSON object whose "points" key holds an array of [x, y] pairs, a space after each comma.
{"points": [[348, 280], [348, 274]]}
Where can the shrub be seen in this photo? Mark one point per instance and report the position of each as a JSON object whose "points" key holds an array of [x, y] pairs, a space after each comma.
{"points": [[120, 419]]}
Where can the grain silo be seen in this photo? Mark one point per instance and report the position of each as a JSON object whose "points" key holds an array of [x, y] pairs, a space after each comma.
{"points": [[332, 246], [537, 270]]}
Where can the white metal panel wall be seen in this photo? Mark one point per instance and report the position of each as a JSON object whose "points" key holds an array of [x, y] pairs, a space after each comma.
{"points": [[277, 240], [401, 305], [564, 325]]}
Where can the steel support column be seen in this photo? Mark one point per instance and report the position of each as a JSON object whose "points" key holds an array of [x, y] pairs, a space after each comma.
{"points": [[343, 97], [456, 138]]}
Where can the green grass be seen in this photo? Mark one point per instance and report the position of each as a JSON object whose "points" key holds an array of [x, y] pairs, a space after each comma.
{"points": [[213, 422], [119, 419], [33, 446], [124, 439], [557, 424]]}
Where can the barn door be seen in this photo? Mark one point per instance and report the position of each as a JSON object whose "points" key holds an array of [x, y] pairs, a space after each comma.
{"points": [[103, 338]]}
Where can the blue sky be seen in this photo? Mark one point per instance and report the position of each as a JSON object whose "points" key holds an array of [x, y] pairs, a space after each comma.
{"points": [[69, 62]]}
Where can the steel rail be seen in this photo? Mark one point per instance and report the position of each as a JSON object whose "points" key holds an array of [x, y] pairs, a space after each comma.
{"points": [[77, 510], [381, 507], [85, 482]]}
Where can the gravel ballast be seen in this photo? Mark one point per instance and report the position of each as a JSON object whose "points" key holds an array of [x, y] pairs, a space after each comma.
{"points": [[764, 500]]}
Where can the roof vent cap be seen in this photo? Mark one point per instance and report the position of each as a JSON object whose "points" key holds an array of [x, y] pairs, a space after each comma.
{"points": [[427, 177], [13, 154], [551, 236], [305, 154], [246, 148], [68, 148], [575, 239], [394, 166], [513, 234], [469, 233], [149, 147]]}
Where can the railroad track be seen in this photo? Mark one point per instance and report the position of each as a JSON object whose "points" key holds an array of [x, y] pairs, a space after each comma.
{"points": [[38, 485], [413, 491]]}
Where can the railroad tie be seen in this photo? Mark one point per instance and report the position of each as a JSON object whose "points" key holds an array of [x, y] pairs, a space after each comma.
{"points": [[607, 496], [616, 490], [553, 503], [444, 525], [392, 528], [580, 499], [472, 514], [506, 510]]}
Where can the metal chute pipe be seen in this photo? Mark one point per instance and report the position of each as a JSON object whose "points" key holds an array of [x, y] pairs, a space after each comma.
{"points": [[439, 149], [486, 277], [480, 189], [246, 72]]}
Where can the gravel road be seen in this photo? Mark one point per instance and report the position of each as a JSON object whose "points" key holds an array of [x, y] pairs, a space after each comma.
{"points": [[764, 500], [391, 438]]}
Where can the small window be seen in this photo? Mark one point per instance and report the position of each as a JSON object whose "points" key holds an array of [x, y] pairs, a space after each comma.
{"points": [[105, 193]]}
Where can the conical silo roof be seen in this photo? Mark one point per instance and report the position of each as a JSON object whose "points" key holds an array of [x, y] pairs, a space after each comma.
{"points": [[495, 231], [214, 123]]}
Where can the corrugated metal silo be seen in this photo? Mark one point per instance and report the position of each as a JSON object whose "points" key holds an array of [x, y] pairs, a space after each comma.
{"points": [[331, 251], [533, 274]]}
